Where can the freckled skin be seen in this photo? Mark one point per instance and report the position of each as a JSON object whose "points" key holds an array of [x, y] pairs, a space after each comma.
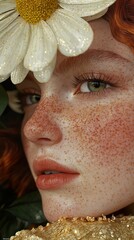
{"points": [[91, 135]]}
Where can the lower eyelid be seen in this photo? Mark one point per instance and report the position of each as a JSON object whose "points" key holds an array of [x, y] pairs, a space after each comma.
{"points": [[99, 94]]}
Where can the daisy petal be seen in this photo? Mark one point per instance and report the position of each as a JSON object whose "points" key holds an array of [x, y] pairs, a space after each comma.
{"points": [[90, 9], [6, 33], [3, 78], [44, 75], [74, 35], [19, 74], [96, 16], [6, 5], [10, 57], [7, 18], [42, 47]]}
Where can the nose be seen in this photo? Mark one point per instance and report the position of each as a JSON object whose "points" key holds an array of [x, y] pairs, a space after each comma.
{"points": [[41, 128]]}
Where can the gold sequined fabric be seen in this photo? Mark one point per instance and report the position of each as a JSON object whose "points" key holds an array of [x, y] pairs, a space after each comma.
{"points": [[82, 229]]}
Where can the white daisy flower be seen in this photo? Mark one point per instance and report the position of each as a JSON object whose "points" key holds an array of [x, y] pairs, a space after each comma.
{"points": [[31, 31]]}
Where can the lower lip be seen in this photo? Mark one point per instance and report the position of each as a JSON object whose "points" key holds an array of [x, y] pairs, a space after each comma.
{"points": [[54, 181]]}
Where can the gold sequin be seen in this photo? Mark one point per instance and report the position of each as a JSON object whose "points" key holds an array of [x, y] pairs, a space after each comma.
{"points": [[32, 11], [82, 229]]}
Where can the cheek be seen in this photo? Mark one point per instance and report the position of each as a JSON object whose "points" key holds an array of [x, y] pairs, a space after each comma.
{"points": [[103, 141], [26, 145], [106, 133], [114, 136], [24, 140]]}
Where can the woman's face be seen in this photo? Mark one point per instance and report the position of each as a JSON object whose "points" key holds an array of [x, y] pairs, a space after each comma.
{"points": [[78, 130]]}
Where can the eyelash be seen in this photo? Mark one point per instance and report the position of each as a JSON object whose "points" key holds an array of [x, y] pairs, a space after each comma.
{"points": [[77, 83], [93, 77]]}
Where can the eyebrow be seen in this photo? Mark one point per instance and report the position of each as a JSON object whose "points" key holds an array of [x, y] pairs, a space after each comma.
{"points": [[92, 54], [28, 79], [106, 55]]}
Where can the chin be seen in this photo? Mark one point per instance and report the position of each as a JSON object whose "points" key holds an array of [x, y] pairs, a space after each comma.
{"points": [[53, 215]]}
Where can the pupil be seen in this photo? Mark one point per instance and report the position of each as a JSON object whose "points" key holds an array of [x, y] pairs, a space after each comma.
{"points": [[35, 98], [96, 84]]}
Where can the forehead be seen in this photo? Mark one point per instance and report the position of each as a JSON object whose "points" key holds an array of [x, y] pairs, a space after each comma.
{"points": [[104, 46], [103, 40]]}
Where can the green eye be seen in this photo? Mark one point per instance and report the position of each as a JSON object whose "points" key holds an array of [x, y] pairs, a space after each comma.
{"points": [[33, 99], [27, 99], [96, 86], [93, 86]]}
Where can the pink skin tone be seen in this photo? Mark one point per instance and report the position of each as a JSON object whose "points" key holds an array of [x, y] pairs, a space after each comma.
{"points": [[90, 133]]}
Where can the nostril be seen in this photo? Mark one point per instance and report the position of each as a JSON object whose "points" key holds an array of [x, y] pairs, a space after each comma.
{"points": [[45, 139], [43, 131]]}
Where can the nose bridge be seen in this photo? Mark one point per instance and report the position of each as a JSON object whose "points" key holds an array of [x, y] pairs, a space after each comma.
{"points": [[50, 104], [42, 124]]}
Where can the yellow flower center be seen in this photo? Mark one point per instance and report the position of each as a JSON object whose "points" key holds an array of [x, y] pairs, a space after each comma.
{"points": [[35, 10]]}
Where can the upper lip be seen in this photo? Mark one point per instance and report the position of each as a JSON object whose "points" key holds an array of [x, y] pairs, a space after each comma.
{"points": [[41, 165]]}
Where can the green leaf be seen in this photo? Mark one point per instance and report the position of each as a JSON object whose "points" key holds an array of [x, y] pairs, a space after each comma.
{"points": [[9, 225], [3, 99], [28, 208], [20, 214]]}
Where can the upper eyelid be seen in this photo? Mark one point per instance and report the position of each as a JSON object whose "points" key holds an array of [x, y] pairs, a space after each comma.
{"points": [[23, 94], [88, 77], [28, 91]]}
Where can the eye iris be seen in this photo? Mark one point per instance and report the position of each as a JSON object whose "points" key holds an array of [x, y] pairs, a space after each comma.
{"points": [[34, 99], [96, 86]]}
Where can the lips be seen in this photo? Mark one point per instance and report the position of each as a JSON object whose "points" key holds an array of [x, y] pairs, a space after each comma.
{"points": [[51, 175]]}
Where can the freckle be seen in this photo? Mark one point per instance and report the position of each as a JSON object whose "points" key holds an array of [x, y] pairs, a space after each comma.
{"points": [[115, 136]]}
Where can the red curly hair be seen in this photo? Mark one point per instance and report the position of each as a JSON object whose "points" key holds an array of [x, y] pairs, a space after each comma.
{"points": [[15, 173], [13, 165], [121, 19]]}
